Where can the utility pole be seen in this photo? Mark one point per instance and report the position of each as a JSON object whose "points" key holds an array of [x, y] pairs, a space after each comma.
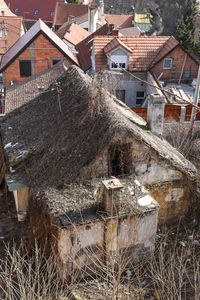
{"points": [[195, 102], [5, 34]]}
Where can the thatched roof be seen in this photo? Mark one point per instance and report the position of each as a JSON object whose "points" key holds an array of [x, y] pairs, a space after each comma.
{"points": [[53, 137]]}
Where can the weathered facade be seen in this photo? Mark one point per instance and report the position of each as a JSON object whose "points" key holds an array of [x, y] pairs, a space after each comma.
{"points": [[94, 137]]}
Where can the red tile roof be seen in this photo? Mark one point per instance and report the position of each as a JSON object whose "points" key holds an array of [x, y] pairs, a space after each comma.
{"points": [[73, 33], [14, 31], [84, 48], [24, 41], [146, 51], [122, 21], [65, 10], [114, 43], [28, 8]]}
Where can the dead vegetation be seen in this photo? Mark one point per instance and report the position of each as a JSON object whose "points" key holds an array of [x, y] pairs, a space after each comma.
{"points": [[171, 273]]}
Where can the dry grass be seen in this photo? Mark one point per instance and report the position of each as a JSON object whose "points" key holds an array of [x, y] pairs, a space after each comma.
{"points": [[171, 273]]}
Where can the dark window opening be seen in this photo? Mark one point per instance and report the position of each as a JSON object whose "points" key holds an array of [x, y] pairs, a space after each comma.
{"points": [[139, 98], [120, 160], [25, 68], [120, 94], [55, 61]]}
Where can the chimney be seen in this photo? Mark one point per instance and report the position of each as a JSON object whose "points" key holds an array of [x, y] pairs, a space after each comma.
{"points": [[91, 17], [155, 113], [142, 33], [115, 31], [111, 195], [101, 12]]}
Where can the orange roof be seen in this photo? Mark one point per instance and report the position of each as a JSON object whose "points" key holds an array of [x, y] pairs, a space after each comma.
{"points": [[114, 43], [146, 51], [65, 10], [14, 31], [122, 21], [73, 33], [84, 48]]}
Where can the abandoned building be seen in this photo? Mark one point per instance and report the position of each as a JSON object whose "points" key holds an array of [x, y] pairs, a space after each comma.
{"points": [[38, 49], [62, 150]]}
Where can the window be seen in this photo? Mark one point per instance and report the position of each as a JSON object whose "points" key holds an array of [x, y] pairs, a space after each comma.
{"points": [[1, 34], [55, 61], [36, 12], [118, 61], [120, 159], [16, 10], [25, 68], [139, 98], [120, 94], [52, 13], [167, 64]]}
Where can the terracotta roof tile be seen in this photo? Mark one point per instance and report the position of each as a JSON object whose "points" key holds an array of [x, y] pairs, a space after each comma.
{"points": [[122, 21], [22, 92], [72, 33], [65, 10], [146, 51], [114, 43], [27, 8], [85, 47], [23, 42]]}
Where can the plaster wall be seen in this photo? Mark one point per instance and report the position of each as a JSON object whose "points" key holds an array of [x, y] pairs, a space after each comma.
{"points": [[83, 245], [157, 175]]}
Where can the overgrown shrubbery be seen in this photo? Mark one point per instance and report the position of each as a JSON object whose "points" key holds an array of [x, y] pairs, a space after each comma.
{"points": [[172, 272]]}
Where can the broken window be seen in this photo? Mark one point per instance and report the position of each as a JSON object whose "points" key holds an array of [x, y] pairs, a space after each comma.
{"points": [[25, 68], [120, 159]]}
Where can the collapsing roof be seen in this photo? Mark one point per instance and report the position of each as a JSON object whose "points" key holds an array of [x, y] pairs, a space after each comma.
{"points": [[51, 138], [48, 144], [38, 28]]}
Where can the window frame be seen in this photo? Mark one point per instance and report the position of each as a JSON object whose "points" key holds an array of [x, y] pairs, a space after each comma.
{"points": [[23, 73], [139, 98], [171, 62]]}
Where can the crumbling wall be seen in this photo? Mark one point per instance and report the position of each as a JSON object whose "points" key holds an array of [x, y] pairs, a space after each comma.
{"points": [[157, 175], [93, 244]]}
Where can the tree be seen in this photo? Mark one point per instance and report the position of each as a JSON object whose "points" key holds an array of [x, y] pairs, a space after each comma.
{"points": [[186, 24]]}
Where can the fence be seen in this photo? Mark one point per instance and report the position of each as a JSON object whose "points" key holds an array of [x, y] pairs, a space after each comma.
{"points": [[171, 112]]}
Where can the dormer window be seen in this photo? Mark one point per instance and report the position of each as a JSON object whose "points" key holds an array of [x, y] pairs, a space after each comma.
{"points": [[52, 13], [118, 61], [36, 12], [16, 10]]}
